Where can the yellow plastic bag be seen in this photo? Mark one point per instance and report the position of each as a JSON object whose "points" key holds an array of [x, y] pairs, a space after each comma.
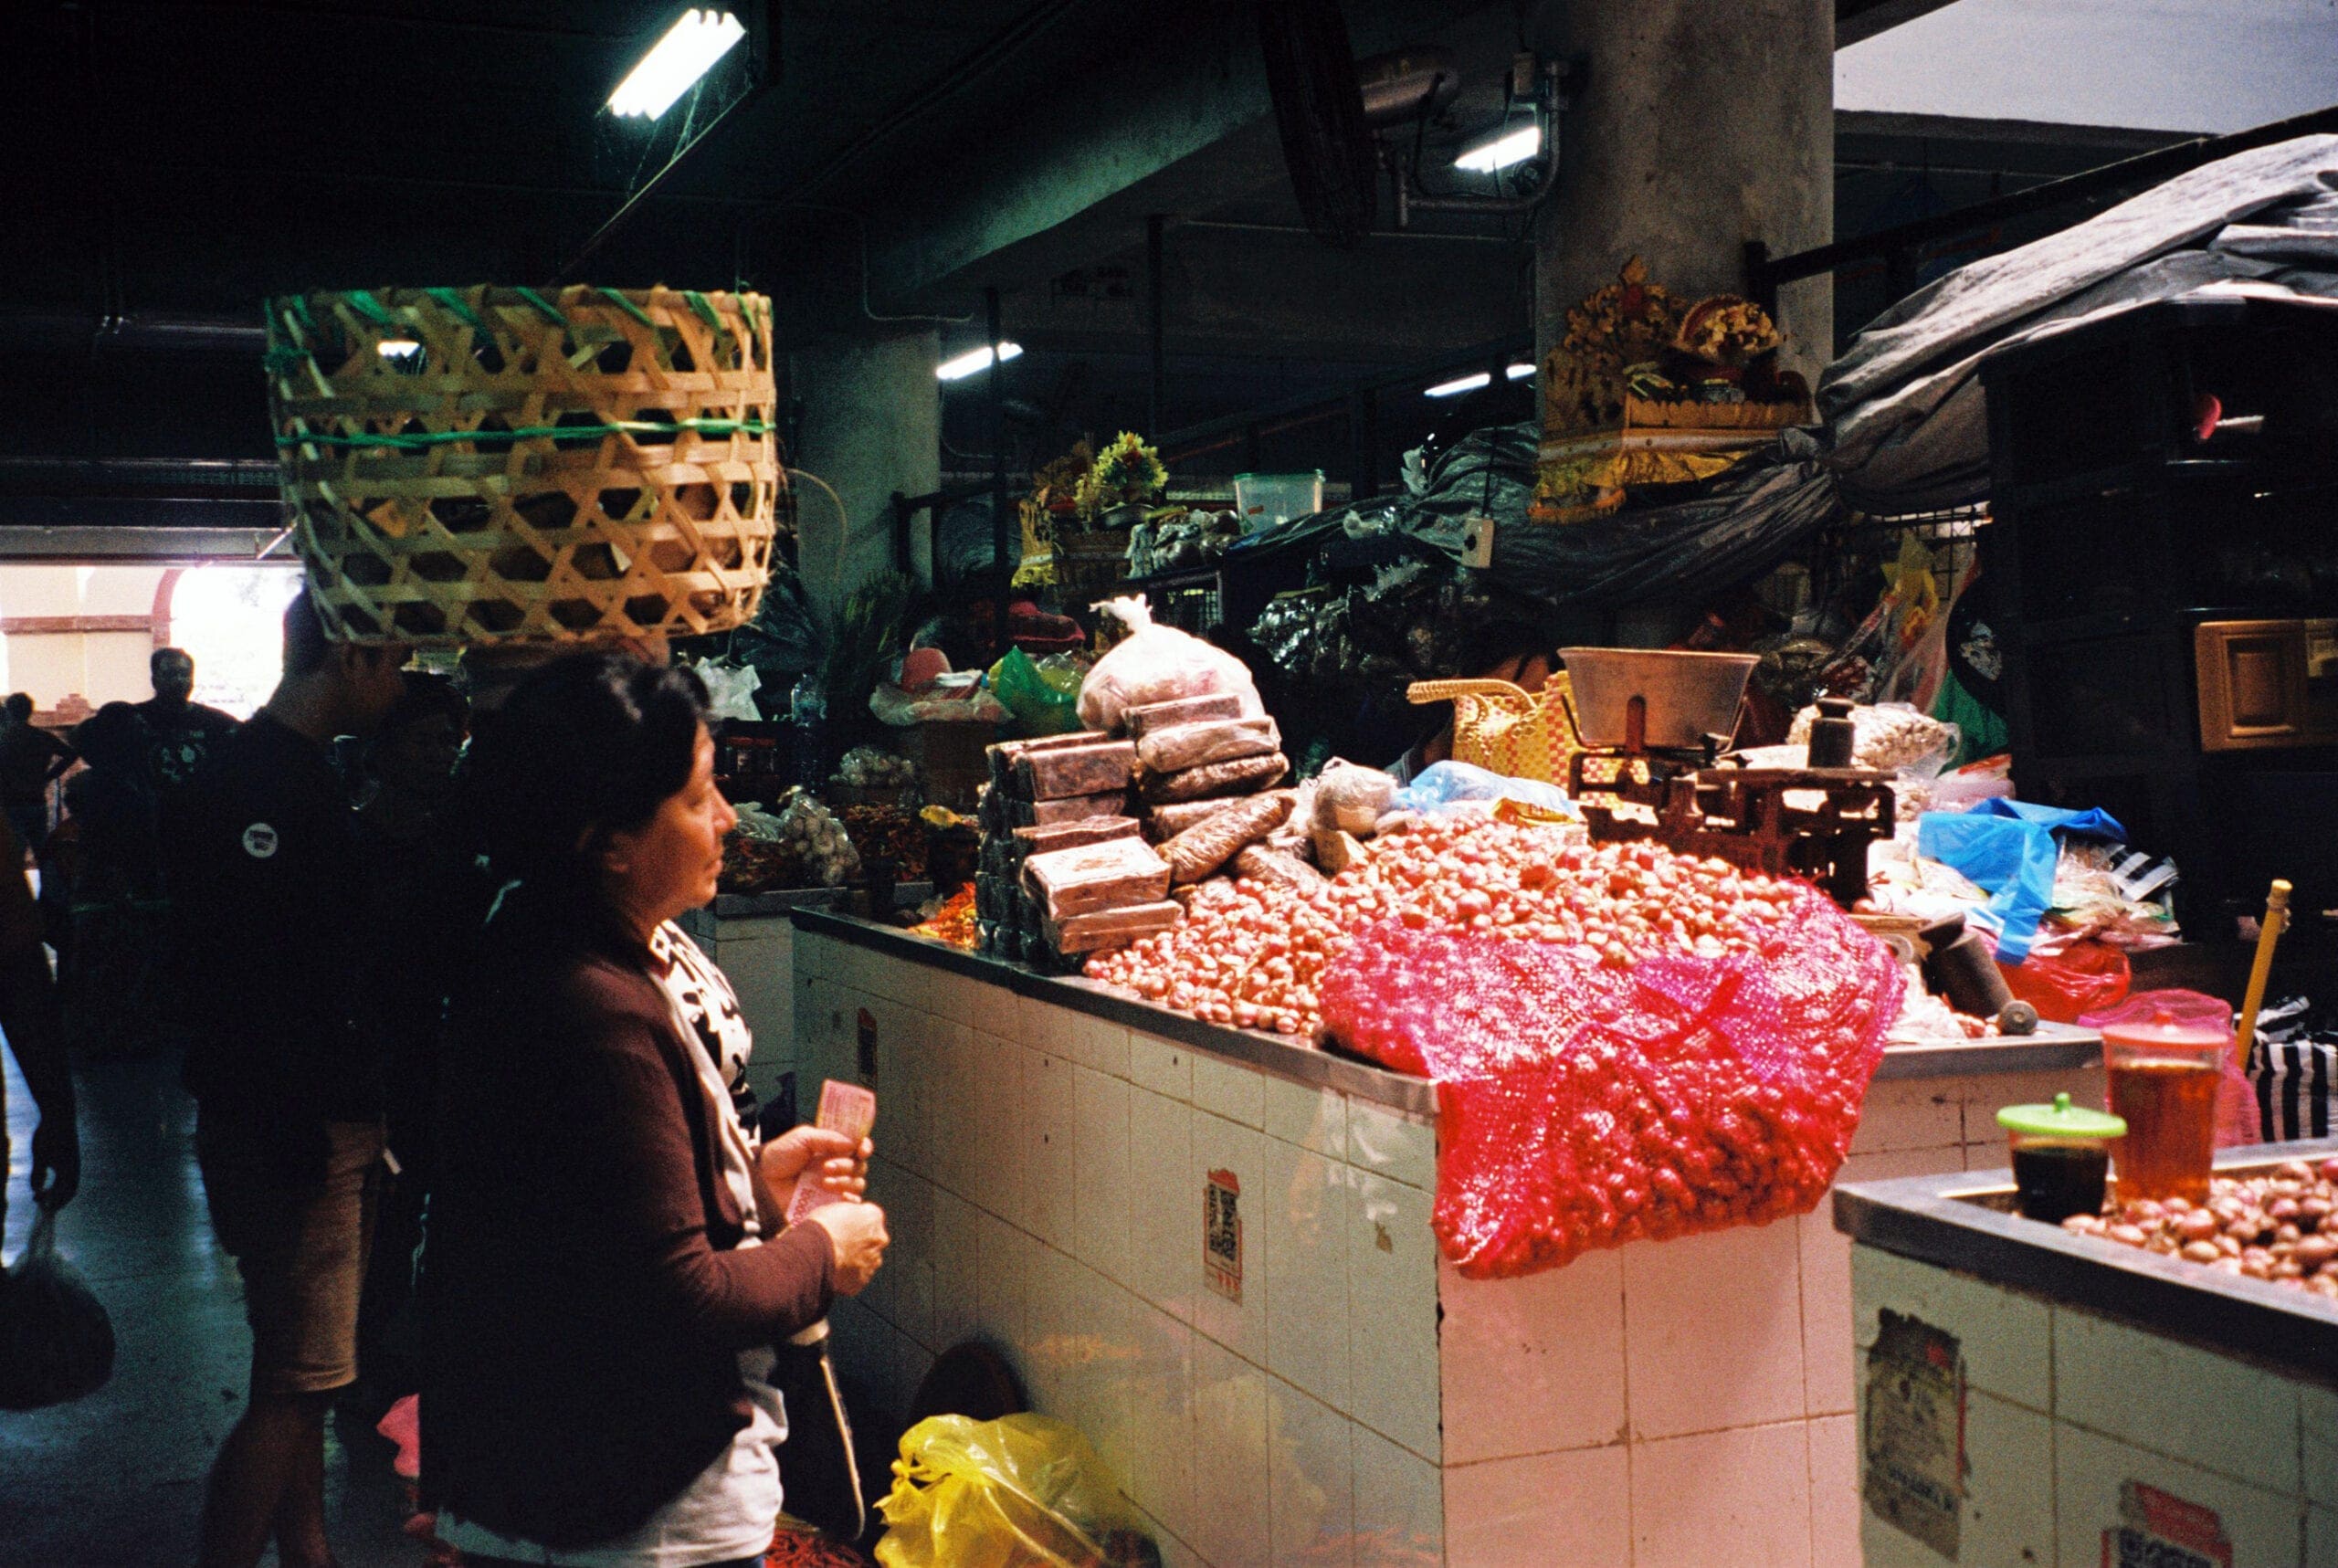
{"points": [[1023, 1491]]}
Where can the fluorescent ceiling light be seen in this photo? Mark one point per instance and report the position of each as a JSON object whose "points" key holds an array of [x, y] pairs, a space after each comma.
{"points": [[1518, 371], [686, 53], [397, 348], [973, 360], [1501, 152], [1460, 385]]}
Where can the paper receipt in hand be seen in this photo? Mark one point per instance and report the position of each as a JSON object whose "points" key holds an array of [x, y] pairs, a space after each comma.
{"points": [[845, 1108]]}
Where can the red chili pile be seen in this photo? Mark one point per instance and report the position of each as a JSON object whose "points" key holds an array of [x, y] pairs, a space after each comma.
{"points": [[2276, 1227], [1252, 954]]}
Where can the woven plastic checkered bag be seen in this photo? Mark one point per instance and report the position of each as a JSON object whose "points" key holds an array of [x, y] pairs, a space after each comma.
{"points": [[1583, 1106]]}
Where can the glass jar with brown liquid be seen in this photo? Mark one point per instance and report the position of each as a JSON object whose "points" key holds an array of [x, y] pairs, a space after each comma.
{"points": [[2164, 1073], [2061, 1156]]}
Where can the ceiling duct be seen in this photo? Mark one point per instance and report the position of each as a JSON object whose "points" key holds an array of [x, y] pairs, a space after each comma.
{"points": [[1318, 107]]}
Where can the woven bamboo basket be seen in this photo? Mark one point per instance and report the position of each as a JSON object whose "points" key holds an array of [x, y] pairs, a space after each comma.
{"points": [[1094, 562], [587, 465], [1506, 729]]}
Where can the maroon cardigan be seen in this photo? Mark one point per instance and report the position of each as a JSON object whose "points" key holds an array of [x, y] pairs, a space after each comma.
{"points": [[584, 1300]]}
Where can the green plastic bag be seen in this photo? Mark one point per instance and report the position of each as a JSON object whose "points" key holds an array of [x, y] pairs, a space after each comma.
{"points": [[1043, 695], [1023, 1491]]}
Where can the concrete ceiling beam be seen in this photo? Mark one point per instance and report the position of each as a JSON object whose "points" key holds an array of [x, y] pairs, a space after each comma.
{"points": [[1091, 147]]}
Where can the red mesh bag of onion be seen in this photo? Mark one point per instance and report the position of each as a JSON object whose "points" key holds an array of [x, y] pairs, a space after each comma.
{"points": [[1585, 1104]]}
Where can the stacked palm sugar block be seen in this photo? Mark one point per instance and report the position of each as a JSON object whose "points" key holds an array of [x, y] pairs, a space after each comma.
{"points": [[1205, 776], [1065, 870]]}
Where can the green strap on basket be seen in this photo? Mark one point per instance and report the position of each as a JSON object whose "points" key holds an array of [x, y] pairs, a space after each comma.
{"points": [[370, 309], [462, 310], [705, 308], [424, 441], [552, 311], [630, 308]]}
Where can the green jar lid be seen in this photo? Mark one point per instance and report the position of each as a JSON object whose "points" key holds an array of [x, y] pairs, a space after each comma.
{"points": [[2060, 1119]]}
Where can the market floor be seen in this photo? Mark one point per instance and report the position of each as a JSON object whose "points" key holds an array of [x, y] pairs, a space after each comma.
{"points": [[116, 1479]]}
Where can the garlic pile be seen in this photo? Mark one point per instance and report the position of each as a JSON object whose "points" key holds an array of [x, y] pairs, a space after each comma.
{"points": [[814, 832]]}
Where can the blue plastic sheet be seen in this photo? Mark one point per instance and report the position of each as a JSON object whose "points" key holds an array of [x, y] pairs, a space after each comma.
{"points": [[2093, 823], [1440, 786], [2007, 847]]}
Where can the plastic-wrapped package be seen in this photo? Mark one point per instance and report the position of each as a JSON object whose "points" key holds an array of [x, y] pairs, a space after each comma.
{"points": [[1142, 722], [1183, 746], [1279, 867], [1202, 849], [1158, 664], [1351, 798], [1072, 835], [1087, 878], [1057, 773], [1107, 929], [1246, 776], [1163, 823], [1071, 808]]}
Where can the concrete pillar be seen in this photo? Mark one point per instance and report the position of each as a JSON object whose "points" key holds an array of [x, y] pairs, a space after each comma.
{"points": [[872, 426], [1701, 124]]}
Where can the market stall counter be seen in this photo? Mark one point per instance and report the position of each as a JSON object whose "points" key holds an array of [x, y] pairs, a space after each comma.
{"points": [[1211, 1249], [2033, 1394]]}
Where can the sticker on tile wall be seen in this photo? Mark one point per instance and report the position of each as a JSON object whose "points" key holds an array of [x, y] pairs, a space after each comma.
{"points": [[2160, 1530], [867, 1046], [1913, 1445], [1222, 1234]]}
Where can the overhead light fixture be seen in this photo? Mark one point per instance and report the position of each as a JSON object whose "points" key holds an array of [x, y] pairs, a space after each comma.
{"points": [[1503, 151], [686, 53], [1460, 384], [1518, 371], [397, 348], [973, 360]]}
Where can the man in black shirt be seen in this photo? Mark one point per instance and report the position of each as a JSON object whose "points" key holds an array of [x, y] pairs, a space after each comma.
{"points": [[285, 1062], [184, 731]]}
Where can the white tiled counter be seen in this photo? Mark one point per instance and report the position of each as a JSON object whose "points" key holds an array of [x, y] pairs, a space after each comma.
{"points": [[2117, 1407], [1046, 1153]]}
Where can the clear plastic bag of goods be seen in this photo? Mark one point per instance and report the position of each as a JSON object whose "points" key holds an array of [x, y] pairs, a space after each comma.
{"points": [[1158, 664], [55, 1340], [1350, 797], [1043, 694], [813, 831], [1442, 787], [1890, 736], [1022, 1491]]}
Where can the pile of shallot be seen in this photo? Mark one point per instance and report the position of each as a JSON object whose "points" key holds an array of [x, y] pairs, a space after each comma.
{"points": [[2275, 1226], [1250, 955]]}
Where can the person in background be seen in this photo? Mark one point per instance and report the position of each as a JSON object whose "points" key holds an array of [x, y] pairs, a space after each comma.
{"points": [[285, 1061], [108, 977], [31, 758], [29, 1019], [607, 1262], [182, 731], [429, 899]]}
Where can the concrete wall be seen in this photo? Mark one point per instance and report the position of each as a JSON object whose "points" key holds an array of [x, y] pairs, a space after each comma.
{"points": [[872, 426], [96, 666], [1699, 127]]}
